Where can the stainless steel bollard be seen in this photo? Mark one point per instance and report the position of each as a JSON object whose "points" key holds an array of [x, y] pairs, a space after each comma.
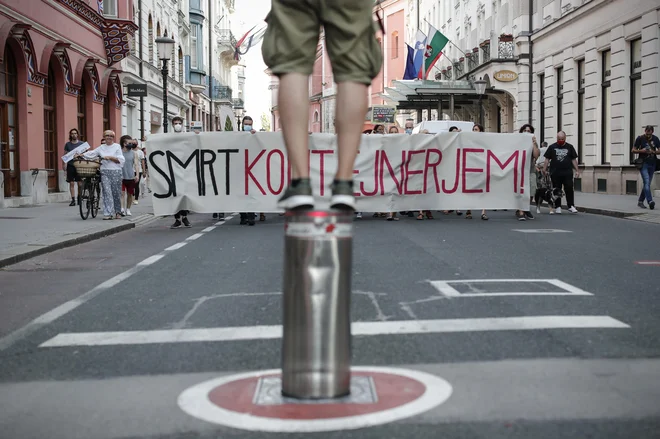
{"points": [[316, 342]]}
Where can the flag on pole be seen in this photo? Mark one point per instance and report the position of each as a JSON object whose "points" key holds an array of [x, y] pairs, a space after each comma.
{"points": [[250, 39], [436, 42], [420, 50], [410, 72]]}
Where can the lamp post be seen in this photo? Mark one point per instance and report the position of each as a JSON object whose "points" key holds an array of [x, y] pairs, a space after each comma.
{"points": [[165, 46], [480, 88]]}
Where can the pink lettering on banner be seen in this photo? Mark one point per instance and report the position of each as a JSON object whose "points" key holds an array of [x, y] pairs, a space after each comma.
{"points": [[434, 166], [365, 192], [409, 173], [269, 167], [322, 153], [522, 172], [248, 171], [467, 170], [385, 161], [457, 173], [490, 155]]}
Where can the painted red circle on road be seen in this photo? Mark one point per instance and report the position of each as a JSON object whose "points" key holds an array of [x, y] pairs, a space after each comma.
{"points": [[392, 391]]}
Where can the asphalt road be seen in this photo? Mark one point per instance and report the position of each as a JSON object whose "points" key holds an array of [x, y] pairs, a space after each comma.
{"points": [[526, 383]]}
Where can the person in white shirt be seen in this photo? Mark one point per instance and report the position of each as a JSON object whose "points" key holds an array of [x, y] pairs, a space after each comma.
{"points": [[112, 163]]}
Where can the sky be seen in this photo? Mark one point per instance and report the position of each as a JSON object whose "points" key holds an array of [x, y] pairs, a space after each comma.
{"points": [[249, 13]]}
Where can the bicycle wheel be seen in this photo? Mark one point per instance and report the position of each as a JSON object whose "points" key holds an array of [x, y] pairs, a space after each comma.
{"points": [[84, 203], [94, 199]]}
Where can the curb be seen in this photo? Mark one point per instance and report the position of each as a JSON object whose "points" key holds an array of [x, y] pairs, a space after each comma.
{"points": [[64, 244], [607, 212]]}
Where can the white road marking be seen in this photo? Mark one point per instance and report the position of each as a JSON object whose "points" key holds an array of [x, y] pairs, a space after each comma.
{"points": [[195, 236], [402, 327], [175, 246], [541, 231], [208, 229], [445, 288], [373, 297], [67, 307], [647, 262], [195, 402]]}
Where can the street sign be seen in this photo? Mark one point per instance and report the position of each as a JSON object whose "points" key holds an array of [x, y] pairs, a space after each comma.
{"points": [[383, 114], [136, 90]]}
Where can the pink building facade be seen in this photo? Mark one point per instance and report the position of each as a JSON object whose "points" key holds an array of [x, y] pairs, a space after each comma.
{"points": [[58, 70]]}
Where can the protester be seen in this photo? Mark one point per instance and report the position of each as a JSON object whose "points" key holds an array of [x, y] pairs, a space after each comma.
{"points": [[289, 50], [648, 148], [562, 158], [477, 128], [181, 217], [523, 215], [112, 162], [248, 217], [130, 173], [71, 175]]}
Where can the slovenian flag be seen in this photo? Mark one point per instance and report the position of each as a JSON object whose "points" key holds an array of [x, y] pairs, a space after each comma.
{"points": [[250, 39], [420, 50], [436, 43]]}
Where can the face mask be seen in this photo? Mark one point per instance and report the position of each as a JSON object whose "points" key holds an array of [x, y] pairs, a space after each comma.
{"points": [[247, 127], [178, 127], [408, 130], [561, 142]]}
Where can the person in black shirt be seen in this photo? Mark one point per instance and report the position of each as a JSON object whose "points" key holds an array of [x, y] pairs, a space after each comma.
{"points": [[562, 158], [71, 175], [648, 148]]}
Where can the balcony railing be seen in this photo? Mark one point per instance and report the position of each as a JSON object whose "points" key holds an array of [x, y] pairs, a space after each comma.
{"points": [[238, 104], [226, 38], [222, 93], [505, 47]]}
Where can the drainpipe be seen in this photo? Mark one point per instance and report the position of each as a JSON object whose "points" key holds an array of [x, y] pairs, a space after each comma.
{"points": [[211, 125], [141, 72], [531, 63]]}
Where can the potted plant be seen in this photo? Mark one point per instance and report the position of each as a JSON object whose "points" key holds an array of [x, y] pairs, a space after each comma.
{"points": [[475, 50], [506, 38]]}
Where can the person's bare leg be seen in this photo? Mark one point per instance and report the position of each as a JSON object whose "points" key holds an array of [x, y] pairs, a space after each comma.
{"points": [[293, 103], [352, 105]]}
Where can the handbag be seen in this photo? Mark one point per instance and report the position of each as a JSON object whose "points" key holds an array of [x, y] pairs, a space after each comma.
{"points": [[638, 162]]}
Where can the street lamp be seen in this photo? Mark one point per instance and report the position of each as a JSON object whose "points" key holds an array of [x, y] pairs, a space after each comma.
{"points": [[480, 88], [165, 47]]}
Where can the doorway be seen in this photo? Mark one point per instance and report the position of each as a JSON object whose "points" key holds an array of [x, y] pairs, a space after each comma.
{"points": [[50, 132], [9, 158]]}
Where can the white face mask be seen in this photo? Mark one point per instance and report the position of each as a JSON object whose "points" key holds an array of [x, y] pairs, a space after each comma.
{"points": [[177, 127]]}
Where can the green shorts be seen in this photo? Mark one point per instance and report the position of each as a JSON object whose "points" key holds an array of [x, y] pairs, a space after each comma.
{"points": [[291, 40]]}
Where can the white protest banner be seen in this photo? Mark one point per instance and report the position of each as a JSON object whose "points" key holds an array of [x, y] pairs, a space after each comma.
{"points": [[243, 172], [66, 158]]}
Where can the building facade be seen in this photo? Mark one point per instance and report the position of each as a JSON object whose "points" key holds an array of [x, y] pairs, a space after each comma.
{"points": [[59, 69], [594, 72]]}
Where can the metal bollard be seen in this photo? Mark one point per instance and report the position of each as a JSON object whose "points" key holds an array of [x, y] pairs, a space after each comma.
{"points": [[316, 342]]}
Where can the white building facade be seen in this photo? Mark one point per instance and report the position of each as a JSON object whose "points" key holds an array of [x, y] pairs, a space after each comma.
{"points": [[200, 67], [594, 72]]}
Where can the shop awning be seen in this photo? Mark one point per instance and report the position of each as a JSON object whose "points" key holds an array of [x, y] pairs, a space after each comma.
{"points": [[422, 94]]}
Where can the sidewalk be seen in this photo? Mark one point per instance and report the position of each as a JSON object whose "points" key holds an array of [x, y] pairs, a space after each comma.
{"points": [[29, 231], [619, 206]]}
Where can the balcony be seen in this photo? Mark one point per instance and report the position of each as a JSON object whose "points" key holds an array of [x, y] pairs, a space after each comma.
{"points": [[230, 5], [238, 104], [226, 41], [223, 94]]}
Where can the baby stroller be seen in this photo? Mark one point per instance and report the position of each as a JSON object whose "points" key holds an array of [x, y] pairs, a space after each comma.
{"points": [[547, 192]]}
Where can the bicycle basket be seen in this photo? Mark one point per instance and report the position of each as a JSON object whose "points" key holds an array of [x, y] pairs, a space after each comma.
{"points": [[86, 168]]}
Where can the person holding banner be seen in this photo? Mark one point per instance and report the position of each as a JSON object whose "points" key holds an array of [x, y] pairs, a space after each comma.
{"points": [[71, 175], [477, 128], [527, 214], [289, 50], [248, 217]]}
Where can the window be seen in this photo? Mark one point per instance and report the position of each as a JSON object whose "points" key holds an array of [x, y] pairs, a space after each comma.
{"points": [[606, 112], [110, 8], [106, 113], [395, 45], [151, 40], [580, 128], [50, 131], [560, 98], [82, 110], [635, 92], [194, 62], [181, 68], [542, 108]]}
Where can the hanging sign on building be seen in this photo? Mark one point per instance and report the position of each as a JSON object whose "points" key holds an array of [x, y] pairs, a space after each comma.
{"points": [[136, 90], [505, 76], [155, 118], [383, 114]]}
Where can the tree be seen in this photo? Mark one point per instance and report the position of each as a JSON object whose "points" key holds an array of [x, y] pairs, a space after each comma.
{"points": [[265, 122], [228, 125]]}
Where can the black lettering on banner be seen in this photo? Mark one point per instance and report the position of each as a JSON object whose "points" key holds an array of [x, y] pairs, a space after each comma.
{"points": [[170, 182], [195, 156], [227, 167], [205, 162]]}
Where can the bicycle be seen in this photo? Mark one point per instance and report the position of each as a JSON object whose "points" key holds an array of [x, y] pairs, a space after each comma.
{"points": [[90, 195]]}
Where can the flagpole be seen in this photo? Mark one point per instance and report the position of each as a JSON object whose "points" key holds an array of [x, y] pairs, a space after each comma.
{"points": [[448, 40]]}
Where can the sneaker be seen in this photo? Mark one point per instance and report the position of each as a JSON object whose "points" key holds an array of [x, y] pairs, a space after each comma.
{"points": [[298, 196], [135, 202], [215, 216], [529, 215], [538, 210], [652, 205], [128, 212], [342, 195], [73, 202], [520, 216], [558, 211], [552, 212], [176, 225], [358, 215], [186, 222], [641, 204], [572, 209]]}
